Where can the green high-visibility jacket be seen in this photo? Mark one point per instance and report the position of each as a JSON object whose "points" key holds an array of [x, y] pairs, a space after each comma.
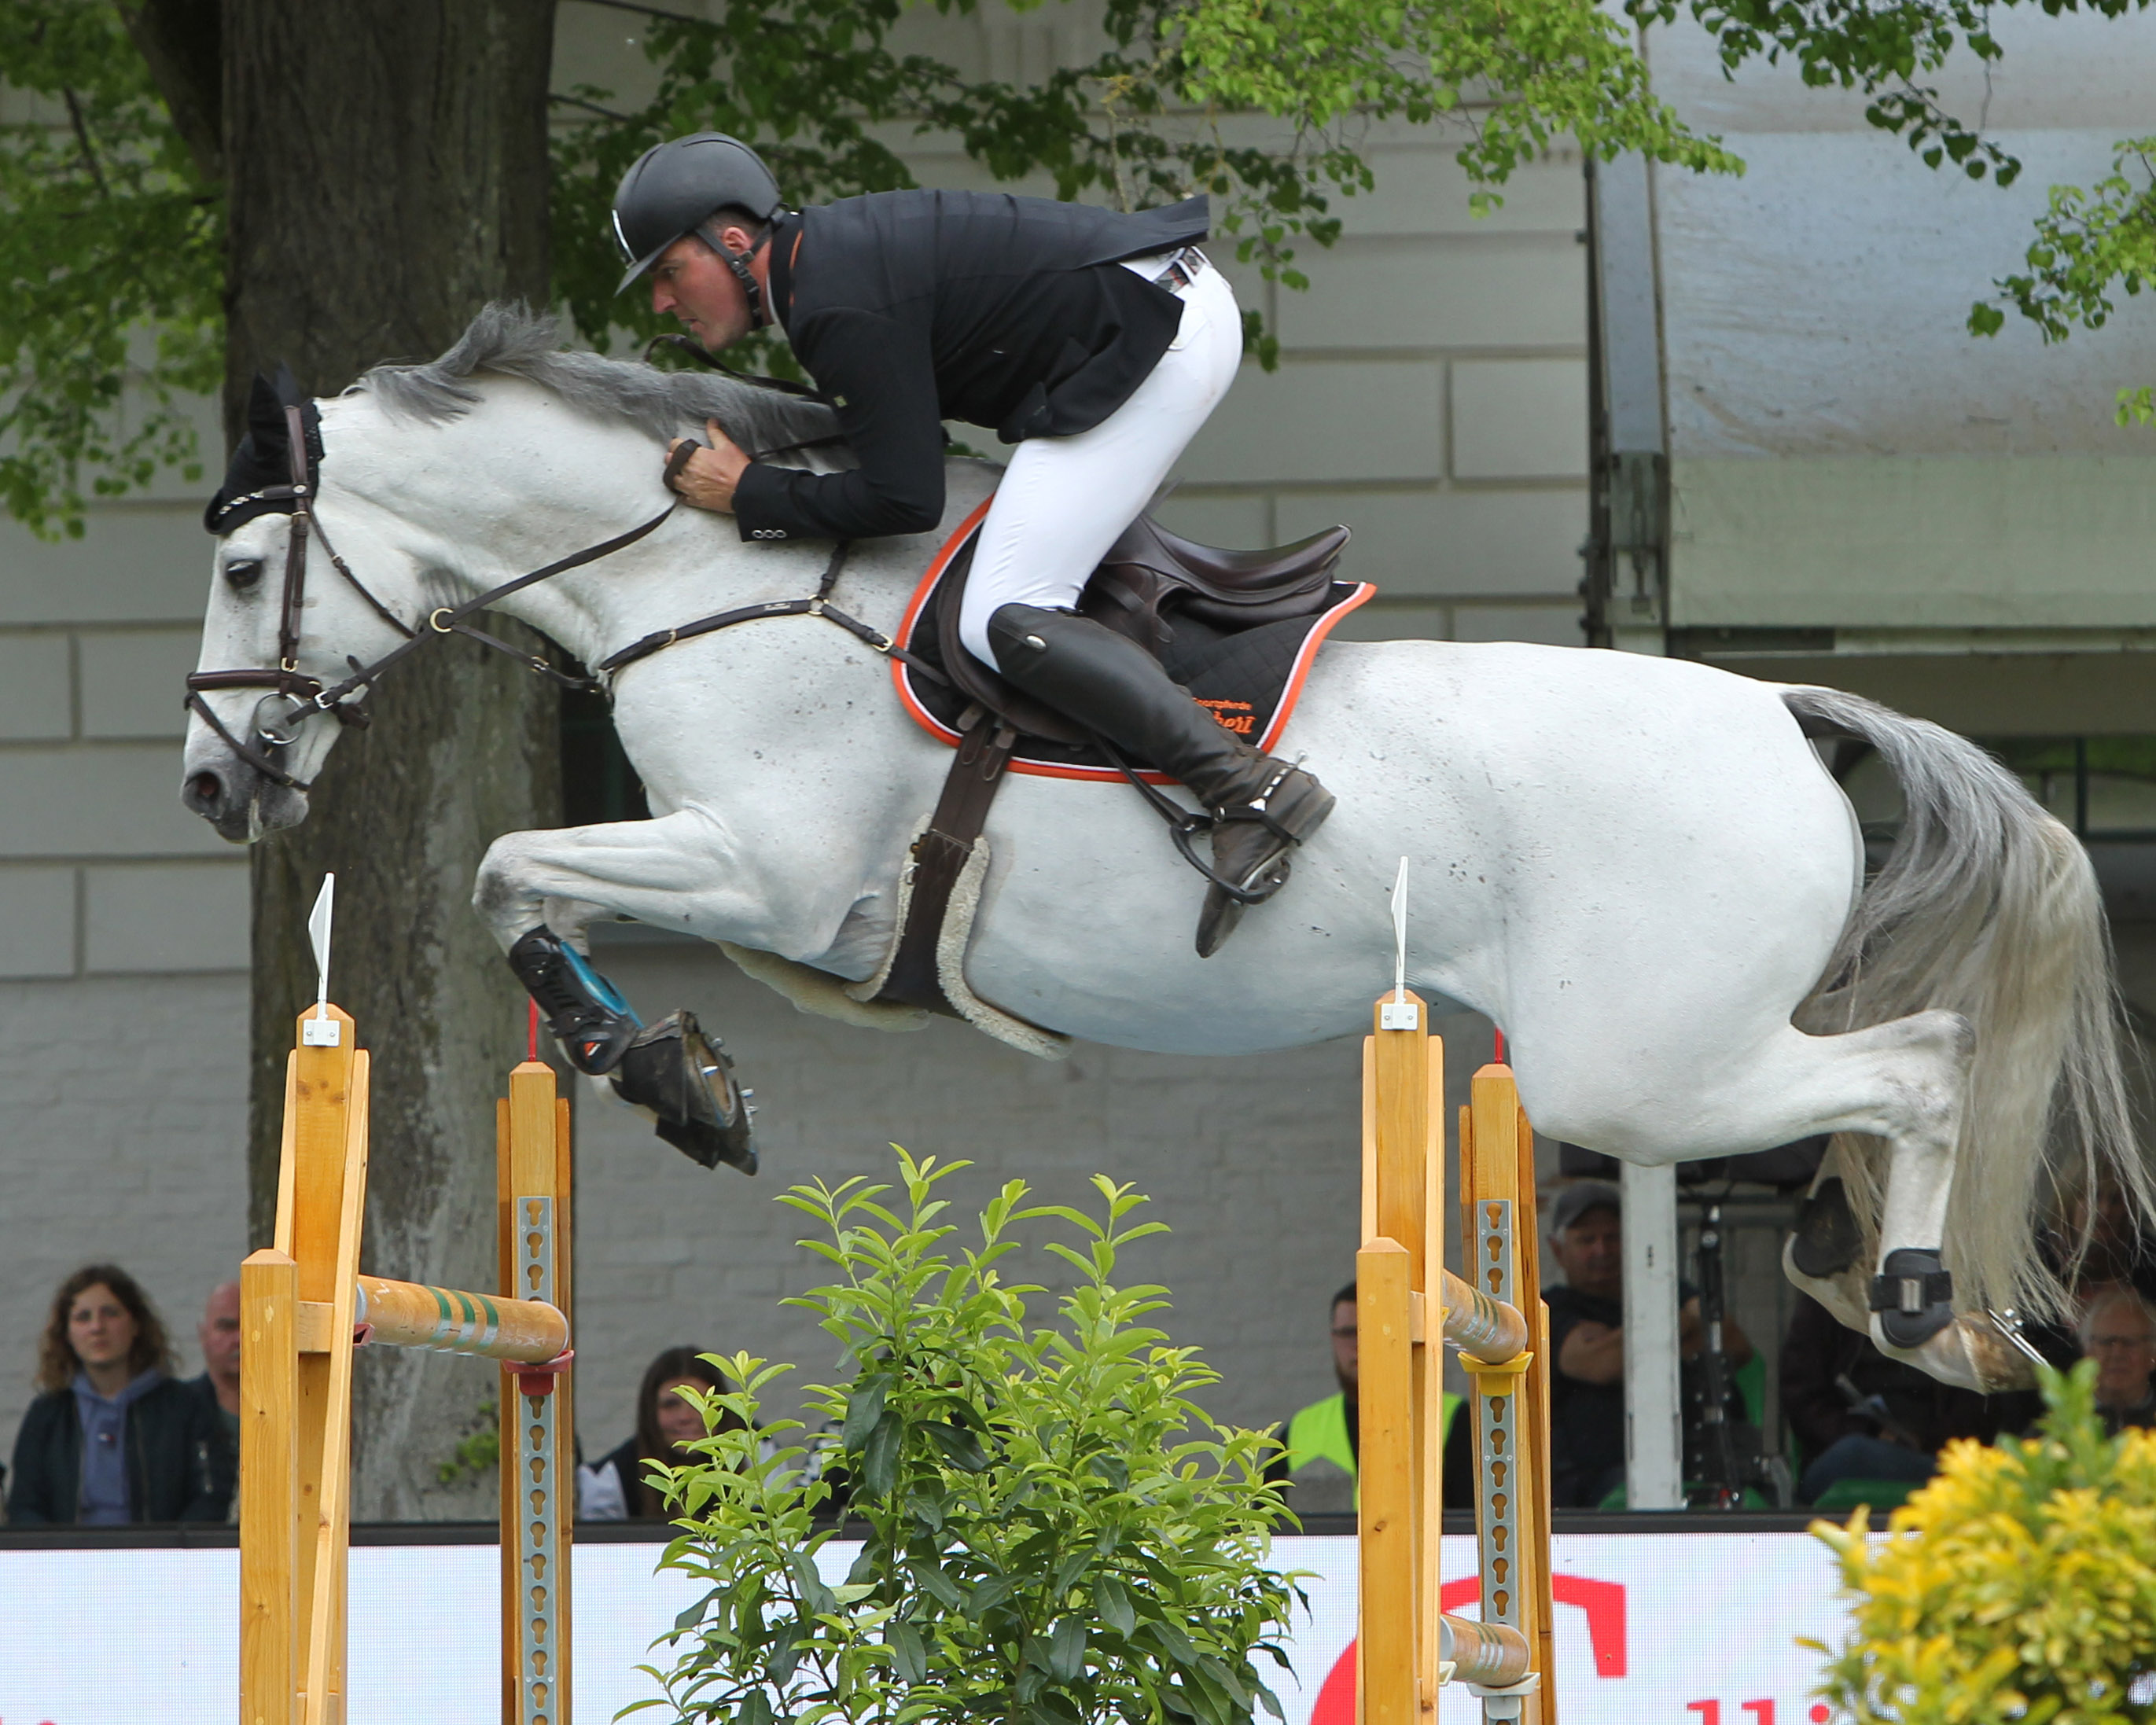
{"points": [[1318, 1433]]}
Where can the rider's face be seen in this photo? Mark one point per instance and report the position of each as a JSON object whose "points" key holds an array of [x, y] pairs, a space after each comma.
{"points": [[690, 281]]}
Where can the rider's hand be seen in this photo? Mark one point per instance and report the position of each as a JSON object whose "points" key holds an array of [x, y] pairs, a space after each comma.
{"points": [[709, 478]]}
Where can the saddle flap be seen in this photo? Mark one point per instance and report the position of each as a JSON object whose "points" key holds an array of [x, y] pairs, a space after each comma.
{"points": [[980, 683]]}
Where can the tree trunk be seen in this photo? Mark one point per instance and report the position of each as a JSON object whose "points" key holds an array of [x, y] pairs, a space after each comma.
{"points": [[387, 176]]}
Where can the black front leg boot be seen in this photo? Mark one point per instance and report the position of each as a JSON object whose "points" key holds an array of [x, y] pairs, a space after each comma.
{"points": [[586, 1013], [688, 1084], [1913, 1295]]}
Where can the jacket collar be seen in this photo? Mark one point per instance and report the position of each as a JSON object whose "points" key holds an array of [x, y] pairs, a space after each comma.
{"points": [[785, 235]]}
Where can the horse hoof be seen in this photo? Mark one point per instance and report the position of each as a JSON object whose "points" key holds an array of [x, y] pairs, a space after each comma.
{"points": [[1970, 1354], [688, 1085], [1827, 1238], [1912, 1297], [1844, 1294]]}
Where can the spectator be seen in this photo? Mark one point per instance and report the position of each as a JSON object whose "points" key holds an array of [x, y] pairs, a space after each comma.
{"points": [[1587, 1338], [614, 1489], [1320, 1444], [111, 1438], [218, 1387], [1857, 1414], [2118, 1332]]}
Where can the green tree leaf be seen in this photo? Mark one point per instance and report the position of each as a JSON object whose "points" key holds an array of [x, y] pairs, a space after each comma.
{"points": [[908, 1653], [864, 1409], [1114, 1605], [1066, 1649], [880, 1454]]}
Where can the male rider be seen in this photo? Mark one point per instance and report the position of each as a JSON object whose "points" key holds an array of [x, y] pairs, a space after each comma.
{"points": [[1096, 342]]}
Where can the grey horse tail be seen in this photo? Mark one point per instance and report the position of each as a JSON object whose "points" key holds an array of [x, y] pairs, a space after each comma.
{"points": [[1988, 907]]}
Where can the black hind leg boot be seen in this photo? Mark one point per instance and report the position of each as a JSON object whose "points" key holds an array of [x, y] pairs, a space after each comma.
{"points": [[1262, 808]]}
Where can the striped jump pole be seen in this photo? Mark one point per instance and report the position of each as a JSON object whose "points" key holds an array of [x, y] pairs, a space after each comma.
{"points": [[1409, 1306], [304, 1307]]}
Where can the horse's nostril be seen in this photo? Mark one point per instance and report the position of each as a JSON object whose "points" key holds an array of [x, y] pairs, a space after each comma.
{"points": [[205, 793]]}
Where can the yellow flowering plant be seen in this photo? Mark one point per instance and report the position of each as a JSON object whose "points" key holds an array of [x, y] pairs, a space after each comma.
{"points": [[2019, 1586]]}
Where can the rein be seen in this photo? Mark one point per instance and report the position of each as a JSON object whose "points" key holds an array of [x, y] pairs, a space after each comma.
{"points": [[309, 695]]}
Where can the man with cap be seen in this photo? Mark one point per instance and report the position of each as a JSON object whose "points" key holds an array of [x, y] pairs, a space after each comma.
{"points": [[1587, 1340], [1095, 341]]}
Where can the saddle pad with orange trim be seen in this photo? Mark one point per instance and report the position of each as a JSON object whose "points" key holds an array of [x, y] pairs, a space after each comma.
{"points": [[1249, 679]]}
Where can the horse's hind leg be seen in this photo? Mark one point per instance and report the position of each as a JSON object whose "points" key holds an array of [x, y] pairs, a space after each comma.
{"points": [[1921, 1066], [1905, 1083]]}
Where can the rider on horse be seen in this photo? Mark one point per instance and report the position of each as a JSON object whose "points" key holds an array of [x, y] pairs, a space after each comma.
{"points": [[1096, 343]]}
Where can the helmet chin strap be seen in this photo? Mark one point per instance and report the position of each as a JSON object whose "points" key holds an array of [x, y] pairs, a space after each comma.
{"points": [[759, 315]]}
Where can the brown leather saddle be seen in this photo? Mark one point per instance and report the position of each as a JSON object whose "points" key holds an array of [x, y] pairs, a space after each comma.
{"points": [[1236, 628], [1182, 602]]}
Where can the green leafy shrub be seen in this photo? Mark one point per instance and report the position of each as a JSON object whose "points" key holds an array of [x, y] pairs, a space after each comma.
{"points": [[2019, 1587], [1055, 1533]]}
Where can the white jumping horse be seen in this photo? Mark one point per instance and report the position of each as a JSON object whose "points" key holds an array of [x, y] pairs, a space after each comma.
{"points": [[1638, 867]]}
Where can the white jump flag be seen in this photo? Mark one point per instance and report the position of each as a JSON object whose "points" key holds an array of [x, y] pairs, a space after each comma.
{"points": [[321, 1030], [1399, 1013]]}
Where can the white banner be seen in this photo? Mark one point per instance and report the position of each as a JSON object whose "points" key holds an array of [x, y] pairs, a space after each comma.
{"points": [[1668, 1629]]}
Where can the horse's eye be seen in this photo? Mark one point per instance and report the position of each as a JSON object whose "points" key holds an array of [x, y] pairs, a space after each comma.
{"points": [[243, 572]]}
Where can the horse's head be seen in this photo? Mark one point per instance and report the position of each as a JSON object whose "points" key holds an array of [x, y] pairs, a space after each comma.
{"points": [[286, 622], [418, 488]]}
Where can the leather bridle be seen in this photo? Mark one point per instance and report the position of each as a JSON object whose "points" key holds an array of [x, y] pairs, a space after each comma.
{"points": [[310, 695]]}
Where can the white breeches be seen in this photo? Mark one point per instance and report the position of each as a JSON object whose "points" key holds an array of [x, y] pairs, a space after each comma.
{"points": [[1064, 500]]}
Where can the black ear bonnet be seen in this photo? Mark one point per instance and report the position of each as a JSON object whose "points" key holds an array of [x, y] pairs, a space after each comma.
{"points": [[259, 479]]}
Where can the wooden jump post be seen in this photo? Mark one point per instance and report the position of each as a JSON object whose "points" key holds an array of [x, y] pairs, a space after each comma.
{"points": [[305, 1306], [1408, 1305]]}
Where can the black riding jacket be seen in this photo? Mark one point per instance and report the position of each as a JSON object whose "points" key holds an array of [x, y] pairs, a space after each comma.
{"points": [[178, 1465], [909, 308]]}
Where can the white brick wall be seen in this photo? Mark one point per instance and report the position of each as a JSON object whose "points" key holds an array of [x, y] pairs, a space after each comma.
{"points": [[101, 869], [122, 1139]]}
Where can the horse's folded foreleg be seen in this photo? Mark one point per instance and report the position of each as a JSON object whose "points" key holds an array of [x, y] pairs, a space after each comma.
{"points": [[668, 872], [686, 871]]}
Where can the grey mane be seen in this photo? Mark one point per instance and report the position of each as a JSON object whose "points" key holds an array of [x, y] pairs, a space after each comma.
{"points": [[515, 342]]}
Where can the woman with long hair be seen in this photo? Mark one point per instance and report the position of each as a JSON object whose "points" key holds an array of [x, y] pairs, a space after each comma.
{"points": [[614, 1489], [111, 1437]]}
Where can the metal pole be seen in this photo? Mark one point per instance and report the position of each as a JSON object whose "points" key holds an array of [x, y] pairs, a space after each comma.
{"points": [[1654, 1436]]}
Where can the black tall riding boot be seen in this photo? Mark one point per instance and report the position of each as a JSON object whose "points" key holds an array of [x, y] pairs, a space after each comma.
{"points": [[1262, 808]]}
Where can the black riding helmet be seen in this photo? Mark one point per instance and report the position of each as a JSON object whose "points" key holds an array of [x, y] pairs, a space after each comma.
{"points": [[675, 187]]}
